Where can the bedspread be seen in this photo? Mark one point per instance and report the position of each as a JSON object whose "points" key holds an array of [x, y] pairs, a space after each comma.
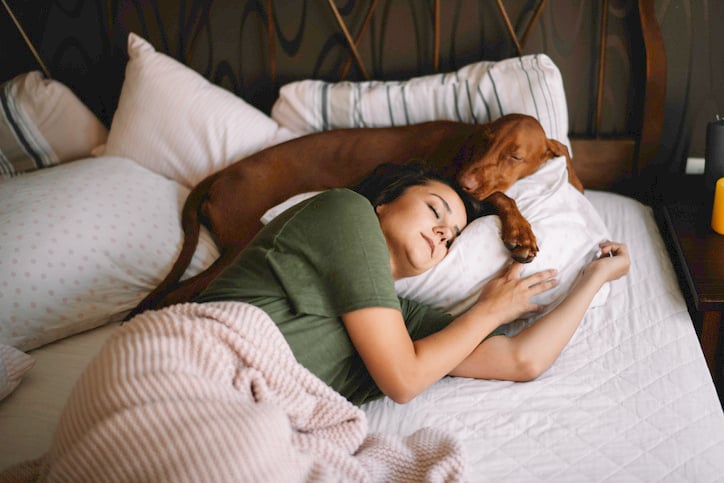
{"points": [[212, 392]]}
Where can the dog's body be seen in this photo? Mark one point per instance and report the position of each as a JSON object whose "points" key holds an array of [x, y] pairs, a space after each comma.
{"points": [[486, 159]]}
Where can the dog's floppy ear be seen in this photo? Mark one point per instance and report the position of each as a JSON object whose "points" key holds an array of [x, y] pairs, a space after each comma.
{"points": [[464, 153], [459, 150], [477, 141], [557, 148]]}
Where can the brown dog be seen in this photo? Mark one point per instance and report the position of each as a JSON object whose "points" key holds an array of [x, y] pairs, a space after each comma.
{"points": [[486, 159]]}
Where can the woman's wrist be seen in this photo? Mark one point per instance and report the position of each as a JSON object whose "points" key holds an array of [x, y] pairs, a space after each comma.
{"points": [[488, 313], [594, 274]]}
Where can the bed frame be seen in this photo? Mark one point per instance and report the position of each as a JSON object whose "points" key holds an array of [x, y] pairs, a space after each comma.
{"points": [[618, 388], [601, 162], [253, 47]]}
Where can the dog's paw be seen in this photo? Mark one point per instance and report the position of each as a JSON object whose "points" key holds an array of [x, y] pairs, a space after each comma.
{"points": [[515, 231], [523, 254], [523, 247]]}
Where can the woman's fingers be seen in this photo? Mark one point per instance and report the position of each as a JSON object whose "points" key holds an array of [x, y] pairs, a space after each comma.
{"points": [[510, 294], [609, 248], [536, 283], [614, 259], [543, 286], [540, 278], [513, 270]]}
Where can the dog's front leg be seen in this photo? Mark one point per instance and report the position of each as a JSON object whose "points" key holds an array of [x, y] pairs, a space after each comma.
{"points": [[517, 233]]}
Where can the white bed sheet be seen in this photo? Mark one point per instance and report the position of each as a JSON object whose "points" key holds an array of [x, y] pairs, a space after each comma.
{"points": [[29, 415], [630, 398]]}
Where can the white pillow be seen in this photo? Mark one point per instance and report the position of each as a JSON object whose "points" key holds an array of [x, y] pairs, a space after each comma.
{"points": [[567, 227], [173, 121], [85, 241], [479, 92], [13, 366]]}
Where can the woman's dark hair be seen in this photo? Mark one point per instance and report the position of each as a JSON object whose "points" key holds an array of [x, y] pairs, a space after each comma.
{"points": [[389, 180]]}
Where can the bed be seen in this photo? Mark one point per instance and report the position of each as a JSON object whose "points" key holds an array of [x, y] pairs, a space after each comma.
{"points": [[90, 217]]}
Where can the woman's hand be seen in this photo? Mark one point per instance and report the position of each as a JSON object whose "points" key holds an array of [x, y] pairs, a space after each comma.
{"points": [[509, 296], [613, 263]]}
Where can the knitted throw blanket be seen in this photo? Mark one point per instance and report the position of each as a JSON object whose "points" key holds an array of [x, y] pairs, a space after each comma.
{"points": [[212, 392]]}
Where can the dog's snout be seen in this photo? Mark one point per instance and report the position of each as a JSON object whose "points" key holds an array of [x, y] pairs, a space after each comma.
{"points": [[467, 183]]}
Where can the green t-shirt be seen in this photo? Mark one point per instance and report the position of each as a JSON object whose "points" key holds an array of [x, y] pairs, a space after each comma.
{"points": [[316, 261]]}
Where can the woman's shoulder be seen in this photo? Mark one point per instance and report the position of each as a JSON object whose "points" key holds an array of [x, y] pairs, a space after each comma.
{"points": [[338, 204], [334, 209], [343, 195], [341, 200]]}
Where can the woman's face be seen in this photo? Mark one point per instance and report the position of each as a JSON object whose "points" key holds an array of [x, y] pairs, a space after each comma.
{"points": [[420, 225]]}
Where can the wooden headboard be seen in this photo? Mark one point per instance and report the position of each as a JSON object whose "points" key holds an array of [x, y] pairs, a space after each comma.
{"points": [[610, 54]]}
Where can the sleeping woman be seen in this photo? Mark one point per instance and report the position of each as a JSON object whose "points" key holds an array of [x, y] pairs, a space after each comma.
{"points": [[324, 271]]}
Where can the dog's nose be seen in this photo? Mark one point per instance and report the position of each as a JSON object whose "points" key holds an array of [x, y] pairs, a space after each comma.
{"points": [[467, 183]]}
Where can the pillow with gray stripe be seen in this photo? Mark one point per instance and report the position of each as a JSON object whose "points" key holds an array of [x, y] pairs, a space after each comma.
{"points": [[479, 92], [43, 123]]}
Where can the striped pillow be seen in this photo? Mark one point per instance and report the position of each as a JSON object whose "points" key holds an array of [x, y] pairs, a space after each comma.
{"points": [[42, 123], [478, 92]]}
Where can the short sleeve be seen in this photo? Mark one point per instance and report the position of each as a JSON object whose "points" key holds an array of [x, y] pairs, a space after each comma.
{"points": [[331, 257], [422, 320]]}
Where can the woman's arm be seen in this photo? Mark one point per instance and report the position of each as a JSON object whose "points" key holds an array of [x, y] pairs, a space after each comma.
{"points": [[403, 368], [531, 352]]}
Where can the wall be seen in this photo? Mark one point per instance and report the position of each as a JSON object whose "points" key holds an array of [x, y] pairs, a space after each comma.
{"points": [[694, 38]]}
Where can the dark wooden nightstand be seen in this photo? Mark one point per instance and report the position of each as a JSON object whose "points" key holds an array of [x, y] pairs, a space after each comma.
{"points": [[698, 254]]}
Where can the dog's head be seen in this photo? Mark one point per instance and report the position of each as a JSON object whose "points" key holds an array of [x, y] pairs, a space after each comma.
{"points": [[501, 152]]}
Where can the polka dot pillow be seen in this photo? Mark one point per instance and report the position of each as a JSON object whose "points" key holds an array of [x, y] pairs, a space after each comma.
{"points": [[82, 243]]}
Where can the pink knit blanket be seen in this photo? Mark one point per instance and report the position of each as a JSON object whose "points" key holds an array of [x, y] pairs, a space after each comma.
{"points": [[212, 392]]}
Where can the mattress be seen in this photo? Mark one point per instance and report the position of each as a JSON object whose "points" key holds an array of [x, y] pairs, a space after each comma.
{"points": [[629, 399]]}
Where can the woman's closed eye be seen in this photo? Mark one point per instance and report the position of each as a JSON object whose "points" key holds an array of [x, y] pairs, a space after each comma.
{"points": [[454, 230]]}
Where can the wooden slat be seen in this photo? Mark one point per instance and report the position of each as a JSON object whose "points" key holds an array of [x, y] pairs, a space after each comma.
{"points": [[271, 39], [436, 36], [652, 120], [509, 27], [601, 67], [27, 40], [532, 23], [348, 63], [350, 42]]}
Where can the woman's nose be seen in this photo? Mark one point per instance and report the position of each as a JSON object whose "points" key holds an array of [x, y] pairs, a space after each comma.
{"points": [[443, 233]]}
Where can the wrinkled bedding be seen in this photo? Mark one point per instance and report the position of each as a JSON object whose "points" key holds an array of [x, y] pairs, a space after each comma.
{"points": [[629, 399], [212, 392]]}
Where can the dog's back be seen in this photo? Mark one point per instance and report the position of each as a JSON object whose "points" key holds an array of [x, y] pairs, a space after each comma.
{"points": [[231, 202]]}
